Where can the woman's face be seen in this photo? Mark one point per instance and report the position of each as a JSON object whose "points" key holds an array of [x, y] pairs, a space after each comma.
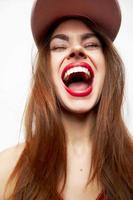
{"points": [[77, 66]]}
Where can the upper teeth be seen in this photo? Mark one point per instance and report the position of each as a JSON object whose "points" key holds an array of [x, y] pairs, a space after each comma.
{"points": [[76, 69]]}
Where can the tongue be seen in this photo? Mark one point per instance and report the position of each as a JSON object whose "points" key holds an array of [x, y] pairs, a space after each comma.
{"points": [[78, 86]]}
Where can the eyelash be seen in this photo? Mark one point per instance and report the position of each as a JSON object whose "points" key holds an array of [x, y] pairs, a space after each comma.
{"points": [[58, 48], [90, 45]]}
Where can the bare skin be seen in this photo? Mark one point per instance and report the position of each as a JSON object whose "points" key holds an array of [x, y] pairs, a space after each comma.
{"points": [[8, 160], [77, 113], [77, 173], [77, 123], [79, 160]]}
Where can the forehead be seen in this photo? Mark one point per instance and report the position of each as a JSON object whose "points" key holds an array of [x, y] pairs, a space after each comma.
{"points": [[72, 26]]}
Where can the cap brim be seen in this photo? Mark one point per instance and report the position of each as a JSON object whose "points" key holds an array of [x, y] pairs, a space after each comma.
{"points": [[105, 13]]}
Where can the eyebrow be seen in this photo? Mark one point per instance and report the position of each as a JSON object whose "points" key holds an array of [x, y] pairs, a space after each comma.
{"points": [[87, 36], [66, 38]]}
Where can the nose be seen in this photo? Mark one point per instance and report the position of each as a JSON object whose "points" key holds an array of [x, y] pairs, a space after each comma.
{"points": [[78, 53]]}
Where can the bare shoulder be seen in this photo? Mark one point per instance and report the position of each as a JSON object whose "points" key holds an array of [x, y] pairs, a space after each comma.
{"points": [[8, 160]]}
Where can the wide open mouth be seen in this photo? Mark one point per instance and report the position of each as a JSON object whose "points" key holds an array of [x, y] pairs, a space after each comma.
{"points": [[78, 78]]}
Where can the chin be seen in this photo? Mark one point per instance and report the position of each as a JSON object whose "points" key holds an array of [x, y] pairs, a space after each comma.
{"points": [[76, 109], [78, 106], [81, 111]]}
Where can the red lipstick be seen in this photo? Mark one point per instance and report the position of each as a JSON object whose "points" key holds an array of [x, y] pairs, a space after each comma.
{"points": [[82, 93]]}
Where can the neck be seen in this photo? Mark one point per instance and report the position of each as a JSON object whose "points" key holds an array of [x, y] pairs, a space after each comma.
{"points": [[78, 129]]}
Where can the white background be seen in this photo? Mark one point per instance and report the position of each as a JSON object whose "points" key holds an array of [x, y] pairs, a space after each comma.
{"points": [[17, 50]]}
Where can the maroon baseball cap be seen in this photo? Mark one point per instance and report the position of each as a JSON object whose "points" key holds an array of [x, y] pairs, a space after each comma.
{"points": [[104, 13]]}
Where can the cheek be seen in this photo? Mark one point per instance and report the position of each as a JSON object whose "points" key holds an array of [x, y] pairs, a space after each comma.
{"points": [[98, 60], [53, 60], [55, 63], [56, 58]]}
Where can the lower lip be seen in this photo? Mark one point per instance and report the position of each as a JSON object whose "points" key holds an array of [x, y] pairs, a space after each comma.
{"points": [[79, 93]]}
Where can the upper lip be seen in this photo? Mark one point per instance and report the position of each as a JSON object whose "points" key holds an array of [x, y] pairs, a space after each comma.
{"points": [[82, 64]]}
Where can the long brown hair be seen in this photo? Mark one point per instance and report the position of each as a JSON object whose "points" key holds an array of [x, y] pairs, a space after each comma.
{"points": [[43, 162]]}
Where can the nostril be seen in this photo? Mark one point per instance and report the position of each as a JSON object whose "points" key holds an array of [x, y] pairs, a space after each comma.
{"points": [[77, 54], [72, 55], [81, 54]]}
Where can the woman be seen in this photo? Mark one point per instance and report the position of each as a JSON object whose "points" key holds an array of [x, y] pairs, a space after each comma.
{"points": [[77, 145]]}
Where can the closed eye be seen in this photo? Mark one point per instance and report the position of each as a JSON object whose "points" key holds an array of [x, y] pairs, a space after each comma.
{"points": [[58, 48], [92, 46]]}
